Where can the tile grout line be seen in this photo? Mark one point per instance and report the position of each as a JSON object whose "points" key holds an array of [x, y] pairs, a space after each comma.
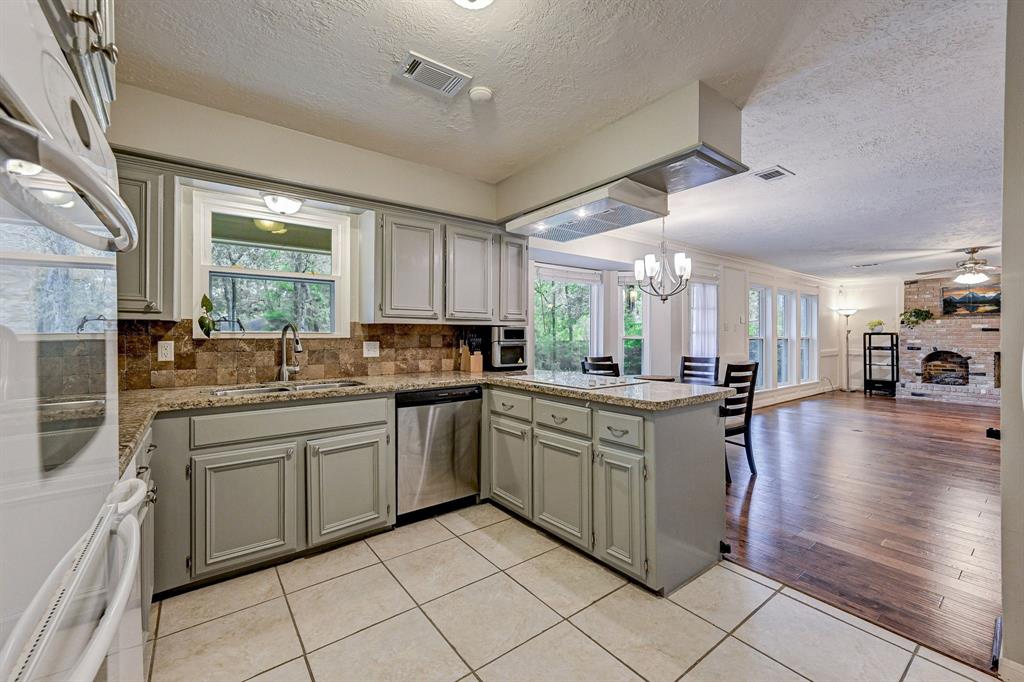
{"points": [[906, 668], [298, 635], [422, 612]]}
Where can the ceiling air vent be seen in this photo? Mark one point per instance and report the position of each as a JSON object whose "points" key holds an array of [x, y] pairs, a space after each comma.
{"points": [[773, 173], [433, 75]]}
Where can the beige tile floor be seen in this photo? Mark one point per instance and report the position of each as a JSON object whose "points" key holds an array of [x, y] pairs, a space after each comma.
{"points": [[476, 594]]}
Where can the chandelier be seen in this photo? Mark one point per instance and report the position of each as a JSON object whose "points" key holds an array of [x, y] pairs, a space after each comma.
{"points": [[658, 275]]}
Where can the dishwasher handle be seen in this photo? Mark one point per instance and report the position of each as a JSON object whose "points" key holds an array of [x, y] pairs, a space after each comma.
{"points": [[438, 395]]}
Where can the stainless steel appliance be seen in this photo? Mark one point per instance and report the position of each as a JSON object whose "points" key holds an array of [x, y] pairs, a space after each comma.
{"points": [[508, 348], [438, 446]]}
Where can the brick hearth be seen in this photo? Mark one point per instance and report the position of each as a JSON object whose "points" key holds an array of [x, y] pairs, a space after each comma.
{"points": [[974, 337]]}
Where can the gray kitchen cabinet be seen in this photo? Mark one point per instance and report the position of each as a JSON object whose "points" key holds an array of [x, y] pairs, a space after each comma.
{"points": [[145, 275], [243, 506], [562, 469], [346, 485], [412, 267], [619, 531], [509, 444], [513, 278], [468, 274]]}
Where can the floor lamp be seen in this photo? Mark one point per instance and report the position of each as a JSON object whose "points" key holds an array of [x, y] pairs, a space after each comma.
{"points": [[847, 312]]}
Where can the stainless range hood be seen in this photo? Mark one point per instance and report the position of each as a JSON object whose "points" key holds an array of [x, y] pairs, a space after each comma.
{"points": [[621, 203]]}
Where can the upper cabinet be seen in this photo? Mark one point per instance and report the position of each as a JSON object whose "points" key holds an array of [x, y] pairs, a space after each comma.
{"points": [[469, 271], [145, 276], [514, 279], [417, 270]]}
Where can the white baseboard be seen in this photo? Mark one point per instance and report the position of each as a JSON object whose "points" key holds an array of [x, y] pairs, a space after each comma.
{"points": [[1011, 671], [787, 393]]}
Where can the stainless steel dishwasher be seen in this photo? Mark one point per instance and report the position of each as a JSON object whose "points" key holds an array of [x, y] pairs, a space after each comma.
{"points": [[438, 446]]}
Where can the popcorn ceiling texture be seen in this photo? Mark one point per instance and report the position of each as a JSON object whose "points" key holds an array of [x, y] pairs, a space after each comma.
{"points": [[404, 349], [963, 335]]}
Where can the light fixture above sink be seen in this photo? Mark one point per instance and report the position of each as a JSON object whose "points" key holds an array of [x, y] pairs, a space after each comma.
{"points": [[279, 203], [473, 4]]}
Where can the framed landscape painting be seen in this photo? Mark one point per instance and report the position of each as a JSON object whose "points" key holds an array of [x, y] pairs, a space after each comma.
{"points": [[980, 299]]}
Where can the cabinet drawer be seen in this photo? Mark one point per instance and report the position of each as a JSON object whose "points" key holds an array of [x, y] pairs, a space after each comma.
{"points": [[511, 405], [216, 429], [623, 429], [565, 417]]}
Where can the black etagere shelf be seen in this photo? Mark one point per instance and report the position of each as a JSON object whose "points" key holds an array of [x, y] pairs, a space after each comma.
{"points": [[881, 363]]}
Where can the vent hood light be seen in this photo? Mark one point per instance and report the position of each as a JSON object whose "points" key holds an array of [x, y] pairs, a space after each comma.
{"points": [[621, 203], [282, 204]]}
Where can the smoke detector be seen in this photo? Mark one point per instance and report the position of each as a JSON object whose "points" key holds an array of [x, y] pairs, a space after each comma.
{"points": [[433, 75], [773, 173]]}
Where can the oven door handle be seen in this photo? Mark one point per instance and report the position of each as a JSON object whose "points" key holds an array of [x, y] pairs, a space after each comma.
{"points": [[25, 143]]}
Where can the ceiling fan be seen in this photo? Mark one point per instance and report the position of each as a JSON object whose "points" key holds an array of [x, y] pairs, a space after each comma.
{"points": [[971, 270]]}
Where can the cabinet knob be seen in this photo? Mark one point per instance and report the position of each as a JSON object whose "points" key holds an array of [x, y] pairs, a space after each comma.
{"points": [[291, 451]]}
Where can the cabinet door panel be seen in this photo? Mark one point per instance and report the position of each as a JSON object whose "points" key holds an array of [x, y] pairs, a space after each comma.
{"points": [[509, 445], [346, 486], [243, 506], [412, 268], [514, 280], [619, 510], [468, 274], [561, 486], [141, 285]]}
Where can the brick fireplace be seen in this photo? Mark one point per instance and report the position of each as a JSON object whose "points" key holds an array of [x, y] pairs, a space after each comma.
{"points": [[952, 357]]}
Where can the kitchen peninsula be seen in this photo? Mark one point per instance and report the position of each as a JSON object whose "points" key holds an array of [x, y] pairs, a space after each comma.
{"points": [[630, 474]]}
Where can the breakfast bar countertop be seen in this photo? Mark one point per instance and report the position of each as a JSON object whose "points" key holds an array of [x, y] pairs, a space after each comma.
{"points": [[138, 408]]}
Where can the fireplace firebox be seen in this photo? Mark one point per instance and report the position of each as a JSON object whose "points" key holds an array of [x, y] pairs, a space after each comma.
{"points": [[946, 368]]}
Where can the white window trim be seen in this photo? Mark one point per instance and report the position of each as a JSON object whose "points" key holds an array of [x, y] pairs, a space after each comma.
{"points": [[766, 369], [206, 203], [814, 345], [688, 330], [620, 325]]}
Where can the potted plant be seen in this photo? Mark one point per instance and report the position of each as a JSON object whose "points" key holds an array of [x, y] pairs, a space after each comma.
{"points": [[206, 323], [915, 316], [875, 326]]}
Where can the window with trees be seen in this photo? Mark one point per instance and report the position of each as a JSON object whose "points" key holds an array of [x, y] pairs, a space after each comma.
{"points": [[808, 337], [703, 319], [784, 330], [758, 329], [631, 333], [263, 270], [565, 317]]}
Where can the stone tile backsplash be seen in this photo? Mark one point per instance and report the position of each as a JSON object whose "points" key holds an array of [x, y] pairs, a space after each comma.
{"points": [[220, 361]]}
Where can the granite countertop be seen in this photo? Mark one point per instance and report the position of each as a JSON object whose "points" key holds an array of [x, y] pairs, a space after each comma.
{"points": [[138, 408]]}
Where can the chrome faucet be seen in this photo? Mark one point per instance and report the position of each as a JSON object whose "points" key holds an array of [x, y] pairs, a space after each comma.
{"points": [[287, 369]]}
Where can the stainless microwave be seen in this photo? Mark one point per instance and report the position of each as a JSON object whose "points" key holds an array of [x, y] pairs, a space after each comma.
{"points": [[508, 348]]}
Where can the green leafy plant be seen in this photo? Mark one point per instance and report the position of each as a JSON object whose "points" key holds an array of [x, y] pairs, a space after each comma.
{"points": [[874, 323], [206, 323], [916, 316]]}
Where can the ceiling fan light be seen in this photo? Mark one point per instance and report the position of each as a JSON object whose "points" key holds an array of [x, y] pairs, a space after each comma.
{"points": [[971, 278], [278, 203]]}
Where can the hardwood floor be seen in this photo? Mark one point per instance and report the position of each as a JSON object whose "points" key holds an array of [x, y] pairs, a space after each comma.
{"points": [[887, 509]]}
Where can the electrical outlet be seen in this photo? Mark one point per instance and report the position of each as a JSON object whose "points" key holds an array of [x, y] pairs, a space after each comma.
{"points": [[165, 351], [371, 349]]}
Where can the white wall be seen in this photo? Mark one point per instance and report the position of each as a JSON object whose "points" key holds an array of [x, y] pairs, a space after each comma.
{"points": [[669, 322], [146, 121], [1011, 666], [880, 299]]}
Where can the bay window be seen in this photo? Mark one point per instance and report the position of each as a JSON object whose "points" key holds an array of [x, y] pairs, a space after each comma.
{"points": [[808, 337], [262, 270], [703, 319], [758, 330]]}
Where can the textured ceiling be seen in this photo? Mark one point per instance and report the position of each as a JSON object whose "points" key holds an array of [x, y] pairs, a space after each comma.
{"points": [[891, 116], [559, 69]]}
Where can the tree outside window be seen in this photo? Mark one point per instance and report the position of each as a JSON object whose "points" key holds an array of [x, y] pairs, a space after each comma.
{"points": [[632, 302], [561, 323]]}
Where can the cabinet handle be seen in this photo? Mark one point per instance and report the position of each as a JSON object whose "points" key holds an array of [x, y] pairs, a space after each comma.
{"points": [[92, 20], [141, 469], [109, 51], [290, 451], [558, 420], [618, 433], [149, 307], [507, 406], [151, 447]]}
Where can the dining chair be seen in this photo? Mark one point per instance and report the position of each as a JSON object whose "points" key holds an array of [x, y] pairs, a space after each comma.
{"points": [[602, 368], [738, 408], [698, 370]]}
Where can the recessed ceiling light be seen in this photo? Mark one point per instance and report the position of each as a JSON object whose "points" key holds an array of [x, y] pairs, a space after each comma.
{"points": [[473, 4], [281, 204], [481, 93]]}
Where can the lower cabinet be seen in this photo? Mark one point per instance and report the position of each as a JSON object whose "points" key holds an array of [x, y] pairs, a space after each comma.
{"points": [[619, 534], [561, 486], [243, 506], [509, 446], [346, 491]]}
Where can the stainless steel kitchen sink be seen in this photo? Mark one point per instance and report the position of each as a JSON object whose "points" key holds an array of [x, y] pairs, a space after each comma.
{"points": [[283, 388]]}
